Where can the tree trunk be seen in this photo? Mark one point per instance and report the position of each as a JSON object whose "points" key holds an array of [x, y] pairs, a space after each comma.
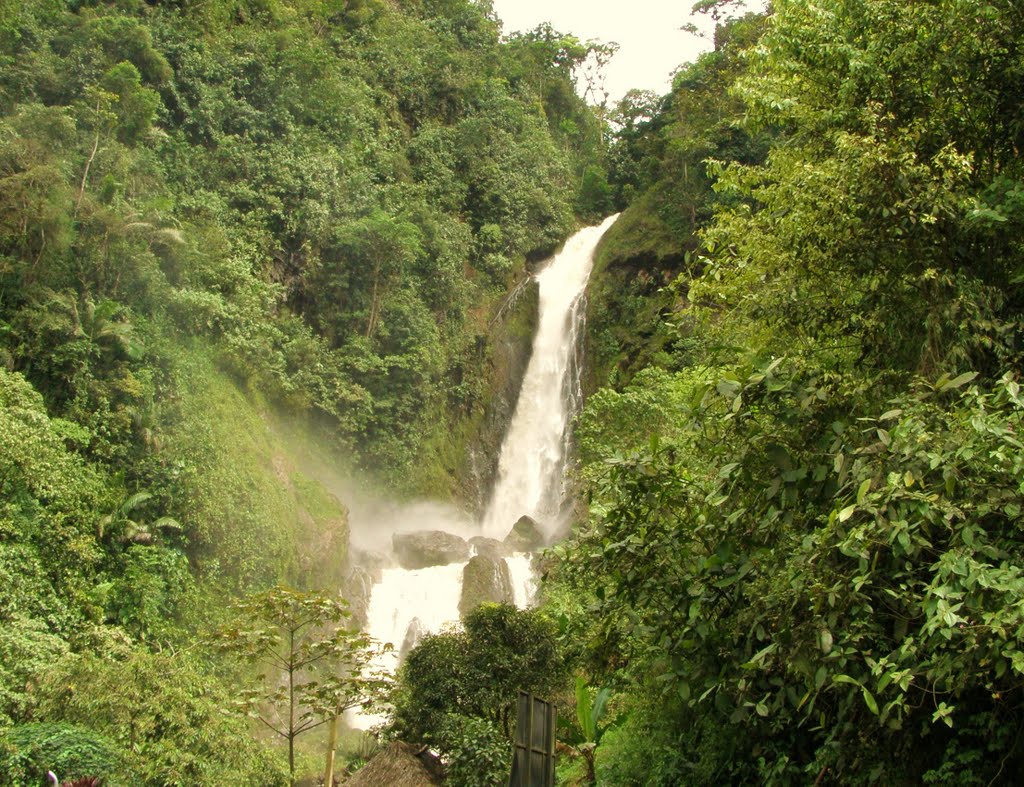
{"points": [[291, 760], [587, 750], [371, 323], [85, 174], [332, 742], [291, 708]]}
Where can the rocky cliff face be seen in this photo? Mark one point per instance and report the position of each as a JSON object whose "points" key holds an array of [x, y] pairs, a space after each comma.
{"points": [[507, 350], [627, 297]]}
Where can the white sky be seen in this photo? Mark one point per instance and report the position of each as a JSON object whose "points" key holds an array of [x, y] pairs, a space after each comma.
{"points": [[651, 45]]}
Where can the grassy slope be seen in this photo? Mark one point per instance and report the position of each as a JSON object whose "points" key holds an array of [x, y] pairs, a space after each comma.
{"points": [[257, 516]]}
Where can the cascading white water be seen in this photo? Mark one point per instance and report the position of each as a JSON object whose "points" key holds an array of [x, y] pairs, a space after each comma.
{"points": [[531, 470], [408, 603], [524, 582], [427, 595]]}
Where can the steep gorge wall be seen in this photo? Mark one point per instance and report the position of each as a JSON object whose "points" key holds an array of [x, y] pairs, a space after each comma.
{"points": [[627, 297], [505, 354]]}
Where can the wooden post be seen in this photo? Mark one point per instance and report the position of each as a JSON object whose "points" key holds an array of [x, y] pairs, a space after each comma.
{"points": [[534, 745], [552, 715]]}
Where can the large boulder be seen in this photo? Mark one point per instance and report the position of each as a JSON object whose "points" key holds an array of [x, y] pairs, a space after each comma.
{"points": [[488, 547], [485, 580], [525, 536], [426, 548]]}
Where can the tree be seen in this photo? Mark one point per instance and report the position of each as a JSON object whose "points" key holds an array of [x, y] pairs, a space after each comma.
{"points": [[312, 669], [457, 690], [868, 232], [377, 250], [133, 105], [808, 571], [50, 495], [165, 717], [28, 751], [477, 671], [595, 199]]}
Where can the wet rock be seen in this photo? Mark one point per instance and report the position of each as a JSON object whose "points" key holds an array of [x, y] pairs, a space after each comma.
{"points": [[428, 548], [485, 580], [372, 562], [507, 348], [488, 547], [413, 635], [525, 536], [358, 587]]}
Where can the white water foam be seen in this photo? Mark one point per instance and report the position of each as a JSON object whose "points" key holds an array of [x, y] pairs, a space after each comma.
{"points": [[531, 470], [524, 581], [429, 595]]}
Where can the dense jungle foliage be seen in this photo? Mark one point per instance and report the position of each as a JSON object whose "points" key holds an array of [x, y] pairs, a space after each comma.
{"points": [[241, 241], [245, 241], [804, 561]]}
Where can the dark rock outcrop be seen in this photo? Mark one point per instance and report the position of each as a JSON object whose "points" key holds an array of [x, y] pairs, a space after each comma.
{"points": [[525, 536], [428, 548], [373, 562], [485, 580], [506, 348], [488, 547]]}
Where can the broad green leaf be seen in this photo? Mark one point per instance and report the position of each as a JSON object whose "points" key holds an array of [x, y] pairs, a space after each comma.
{"points": [[957, 382], [869, 701], [584, 703], [728, 388]]}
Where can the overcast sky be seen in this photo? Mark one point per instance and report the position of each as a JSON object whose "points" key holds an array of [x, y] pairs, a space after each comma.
{"points": [[651, 45]]}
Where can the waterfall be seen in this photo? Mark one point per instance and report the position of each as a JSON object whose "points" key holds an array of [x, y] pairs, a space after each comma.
{"points": [[524, 582], [531, 469], [427, 595], [406, 603]]}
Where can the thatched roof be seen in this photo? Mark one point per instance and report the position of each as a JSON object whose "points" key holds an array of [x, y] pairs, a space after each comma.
{"points": [[397, 765]]}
